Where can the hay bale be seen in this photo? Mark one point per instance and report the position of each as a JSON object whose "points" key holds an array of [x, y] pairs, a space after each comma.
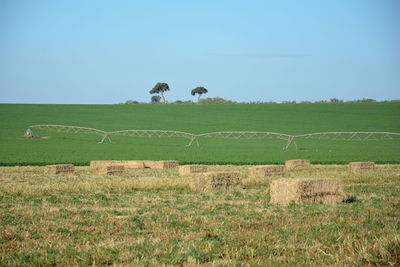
{"points": [[138, 164], [100, 163], [135, 164], [163, 164], [361, 166], [306, 191], [60, 168], [190, 169], [110, 170], [297, 163], [263, 171], [211, 181]]}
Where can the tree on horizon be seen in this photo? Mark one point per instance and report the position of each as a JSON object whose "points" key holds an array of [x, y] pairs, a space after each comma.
{"points": [[200, 90], [160, 88]]}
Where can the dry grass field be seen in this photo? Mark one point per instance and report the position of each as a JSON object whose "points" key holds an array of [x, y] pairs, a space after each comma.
{"points": [[150, 217]]}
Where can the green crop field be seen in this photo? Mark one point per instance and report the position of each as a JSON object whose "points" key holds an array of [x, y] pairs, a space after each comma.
{"points": [[292, 119]]}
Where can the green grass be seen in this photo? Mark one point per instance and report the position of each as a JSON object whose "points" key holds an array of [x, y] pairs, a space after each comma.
{"points": [[283, 118], [151, 218]]}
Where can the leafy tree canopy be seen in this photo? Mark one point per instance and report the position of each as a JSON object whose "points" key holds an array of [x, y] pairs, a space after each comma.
{"points": [[200, 91], [159, 87]]}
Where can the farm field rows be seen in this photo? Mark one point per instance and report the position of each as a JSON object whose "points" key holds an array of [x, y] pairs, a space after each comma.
{"points": [[291, 119], [150, 217]]}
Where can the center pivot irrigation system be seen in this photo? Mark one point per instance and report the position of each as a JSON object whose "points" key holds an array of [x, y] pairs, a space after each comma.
{"points": [[290, 139]]}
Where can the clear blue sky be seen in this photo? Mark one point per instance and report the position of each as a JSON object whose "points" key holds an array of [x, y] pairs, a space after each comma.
{"points": [[93, 51]]}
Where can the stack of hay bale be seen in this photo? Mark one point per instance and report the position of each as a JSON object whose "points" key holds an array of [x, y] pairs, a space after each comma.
{"points": [[137, 164], [297, 163], [361, 166], [60, 169], [110, 170], [108, 167], [192, 169], [306, 191], [211, 181], [125, 163], [161, 165], [204, 181], [264, 171], [298, 190]]}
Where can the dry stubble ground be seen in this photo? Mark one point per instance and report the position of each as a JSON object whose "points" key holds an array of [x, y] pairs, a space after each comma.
{"points": [[151, 217]]}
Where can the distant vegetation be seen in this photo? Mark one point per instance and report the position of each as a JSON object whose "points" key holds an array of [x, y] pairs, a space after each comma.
{"points": [[220, 100], [155, 99], [160, 88]]}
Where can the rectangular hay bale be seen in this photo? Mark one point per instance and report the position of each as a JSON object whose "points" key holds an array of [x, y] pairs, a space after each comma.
{"points": [[99, 163], [138, 164], [306, 191], [162, 164], [135, 164], [110, 170], [297, 163], [60, 168], [361, 166], [263, 171], [190, 169], [211, 181]]}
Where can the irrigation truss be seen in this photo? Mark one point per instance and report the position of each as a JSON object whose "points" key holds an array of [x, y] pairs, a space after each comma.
{"points": [[290, 139], [105, 135]]}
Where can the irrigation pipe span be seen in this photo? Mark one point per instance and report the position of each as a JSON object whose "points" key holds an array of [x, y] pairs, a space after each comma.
{"points": [[290, 139]]}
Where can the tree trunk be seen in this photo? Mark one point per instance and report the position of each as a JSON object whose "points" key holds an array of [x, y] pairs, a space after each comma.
{"points": [[162, 95]]}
